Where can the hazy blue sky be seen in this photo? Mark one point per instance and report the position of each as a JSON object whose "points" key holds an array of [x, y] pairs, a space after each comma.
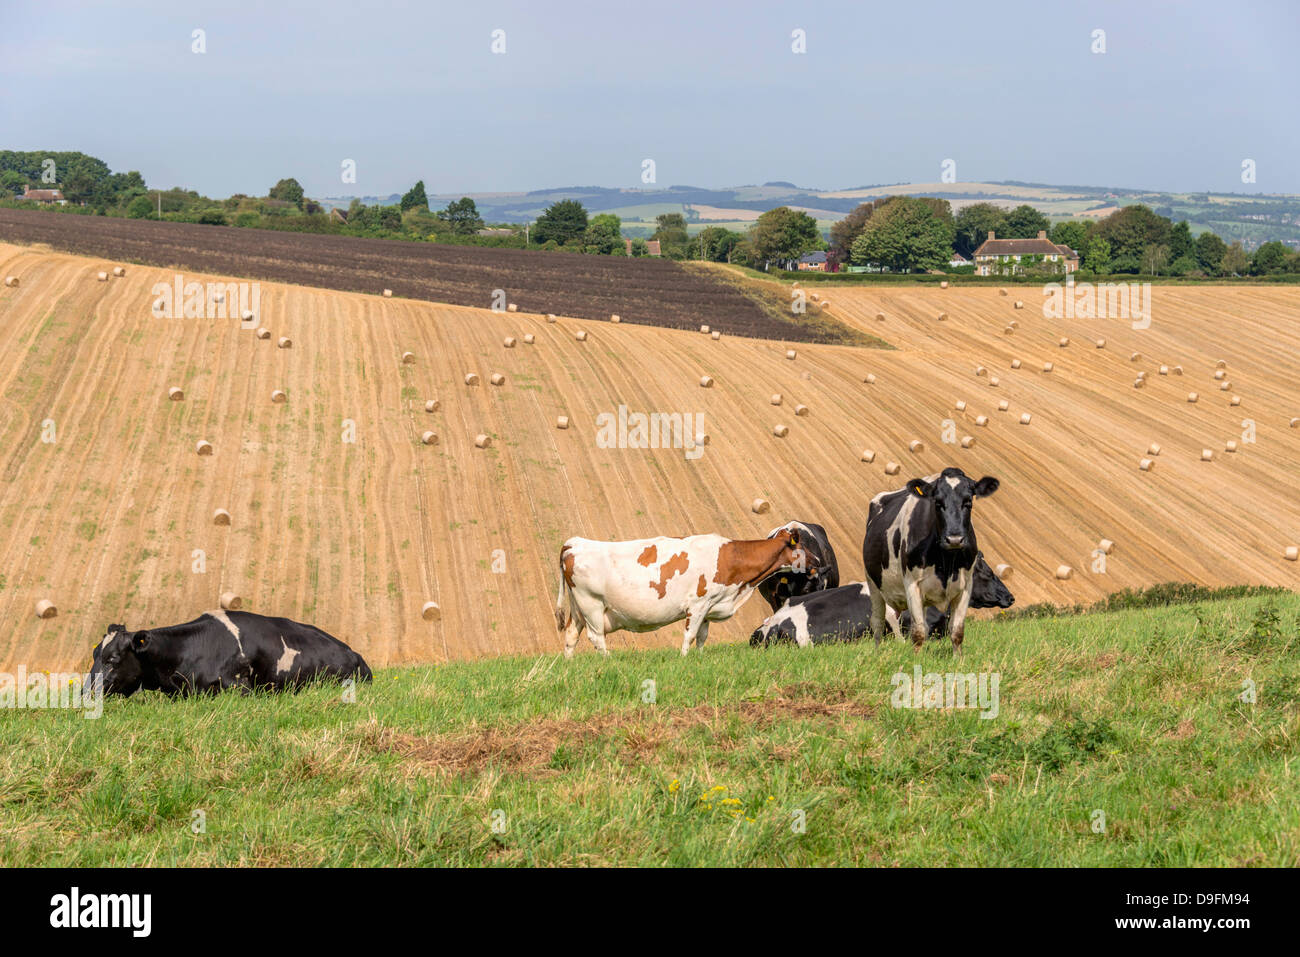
{"points": [[711, 91]]}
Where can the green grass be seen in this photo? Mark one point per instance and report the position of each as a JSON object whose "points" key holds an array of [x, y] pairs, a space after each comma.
{"points": [[1134, 713]]}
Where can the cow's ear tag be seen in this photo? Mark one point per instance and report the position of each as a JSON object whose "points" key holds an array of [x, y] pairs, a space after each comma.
{"points": [[918, 490]]}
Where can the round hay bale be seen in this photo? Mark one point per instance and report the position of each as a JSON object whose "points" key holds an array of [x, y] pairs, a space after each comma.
{"points": [[1292, 553], [429, 438], [247, 316], [1002, 292], [550, 317], [702, 438], [512, 307], [483, 441], [916, 445], [615, 318], [471, 378], [980, 370], [776, 399], [1063, 572], [230, 601], [1008, 331], [892, 468], [870, 379], [581, 335], [1025, 418], [1015, 363], [1004, 405], [1065, 341], [1048, 367], [430, 611], [175, 393], [816, 296], [967, 441], [1106, 546], [1225, 386], [994, 381], [509, 342], [1221, 364], [408, 358], [781, 431], [388, 294], [759, 506], [706, 382], [1101, 343], [960, 405], [278, 396], [825, 303], [1218, 375], [1134, 357], [11, 281], [432, 405], [1295, 423], [1177, 370], [1146, 465], [45, 609], [529, 338], [285, 342], [801, 410], [1004, 570], [1139, 382], [943, 317], [982, 421], [561, 421], [1014, 323], [716, 335], [1230, 446], [1164, 370], [790, 353], [944, 284], [704, 329], [868, 455], [102, 276], [1207, 455], [1192, 397], [497, 379], [1019, 304], [220, 517], [203, 447], [1236, 400], [1153, 448], [880, 317], [119, 271]]}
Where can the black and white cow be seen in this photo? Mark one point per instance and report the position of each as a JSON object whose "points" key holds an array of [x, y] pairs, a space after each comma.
{"points": [[824, 573], [844, 614], [919, 549], [222, 649]]}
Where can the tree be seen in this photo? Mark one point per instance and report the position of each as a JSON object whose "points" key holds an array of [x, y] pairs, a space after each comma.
{"points": [[973, 225], [1097, 258], [1155, 258], [1270, 257], [1024, 222], [639, 247], [414, 198], [672, 235], [562, 221], [287, 190], [784, 234], [850, 227], [1180, 241], [1209, 251], [1132, 229], [716, 243], [462, 216], [140, 208], [905, 235], [1235, 262], [604, 235], [1070, 233]]}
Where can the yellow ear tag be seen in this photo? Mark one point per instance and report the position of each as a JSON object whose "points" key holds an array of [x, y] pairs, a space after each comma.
{"points": [[917, 489]]}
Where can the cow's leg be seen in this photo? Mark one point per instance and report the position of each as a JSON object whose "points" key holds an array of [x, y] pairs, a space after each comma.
{"points": [[693, 622], [702, 634], [877, 615], [592, 612], [957, 617], [915, 608], [572, 632], [891, 617]]}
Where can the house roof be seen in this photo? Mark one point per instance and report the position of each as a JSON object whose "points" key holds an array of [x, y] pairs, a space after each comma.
{"points": [[1039, 246], [958, 258], [814, 257], [651, 247], [49, 195]]}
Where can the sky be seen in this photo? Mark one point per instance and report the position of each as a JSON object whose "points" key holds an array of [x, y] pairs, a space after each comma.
{"points": [[713, 92]]}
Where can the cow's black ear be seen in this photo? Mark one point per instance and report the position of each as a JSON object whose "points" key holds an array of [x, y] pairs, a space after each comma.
{"points": [[794, 537], [986, 486], [141, 640], [919, 487]]}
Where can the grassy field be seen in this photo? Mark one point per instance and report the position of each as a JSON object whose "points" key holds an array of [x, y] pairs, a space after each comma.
{"points": [[1134, 714]]}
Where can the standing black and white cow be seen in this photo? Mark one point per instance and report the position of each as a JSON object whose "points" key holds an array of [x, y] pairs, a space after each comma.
{"points": [[919, 549], [844, 614], [222, 649], [823, 574]]}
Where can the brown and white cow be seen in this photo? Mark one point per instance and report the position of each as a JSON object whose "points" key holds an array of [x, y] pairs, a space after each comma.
{"points": [[647, 583]]}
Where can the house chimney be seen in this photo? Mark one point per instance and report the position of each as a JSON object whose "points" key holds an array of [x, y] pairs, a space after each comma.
{"points": [[990, 234], [1042, 234]]}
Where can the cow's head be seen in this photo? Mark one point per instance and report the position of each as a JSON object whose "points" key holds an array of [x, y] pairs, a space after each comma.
{"points": [[794, 558], [988, 591], [115, 659], [951, 496]]}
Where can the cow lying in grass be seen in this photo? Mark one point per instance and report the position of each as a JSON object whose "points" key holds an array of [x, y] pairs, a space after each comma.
{"points": [[219, 650], [844, 614], [645, 584]]}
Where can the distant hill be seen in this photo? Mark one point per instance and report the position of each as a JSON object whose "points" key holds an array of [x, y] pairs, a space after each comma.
{"points": [[1252, 218]]}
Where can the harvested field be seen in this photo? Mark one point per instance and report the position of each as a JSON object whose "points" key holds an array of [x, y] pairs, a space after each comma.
{"points": [[356, 538], [645, 291]]}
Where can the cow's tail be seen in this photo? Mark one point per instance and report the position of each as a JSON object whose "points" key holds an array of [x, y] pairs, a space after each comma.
{"points": [[564, 600]]}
